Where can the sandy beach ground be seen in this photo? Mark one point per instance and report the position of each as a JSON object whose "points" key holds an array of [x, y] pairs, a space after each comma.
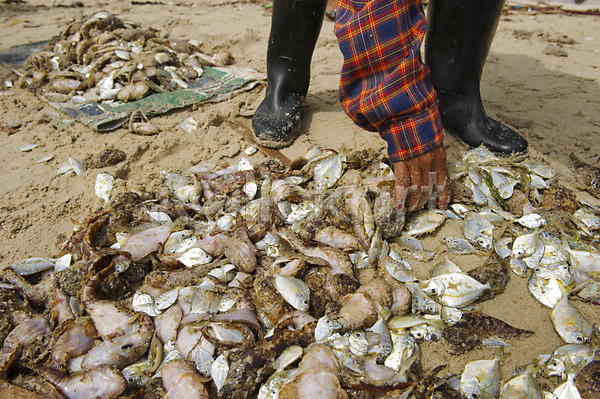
{"points": [[551, 97]]}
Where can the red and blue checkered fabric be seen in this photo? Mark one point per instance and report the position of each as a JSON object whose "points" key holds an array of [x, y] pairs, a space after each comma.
{"points": [[384, 85]]}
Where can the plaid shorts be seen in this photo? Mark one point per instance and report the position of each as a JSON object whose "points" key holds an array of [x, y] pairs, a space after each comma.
{"points": [[384, 85]]}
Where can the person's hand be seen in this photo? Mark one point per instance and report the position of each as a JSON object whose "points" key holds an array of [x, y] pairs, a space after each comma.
{"points": [[416, 177]]}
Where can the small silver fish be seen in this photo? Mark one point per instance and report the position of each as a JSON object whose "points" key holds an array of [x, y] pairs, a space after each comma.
{"points": [[454, 289], [325, 327], [219, 371], [525, 245], [569, 358], [405, 351], [458, 245], [531, 221], [144, 303], [569, 323], [328, 171], [137, 374], [421, 302], [478, 230], [548, 291], [31, 266], [481, 378], [294, 291], [523, 385], [444, 267], [425, 221]]}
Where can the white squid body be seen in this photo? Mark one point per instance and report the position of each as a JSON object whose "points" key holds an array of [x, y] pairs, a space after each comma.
{"points": [[317, 377], [166, 324], [181, 380]]}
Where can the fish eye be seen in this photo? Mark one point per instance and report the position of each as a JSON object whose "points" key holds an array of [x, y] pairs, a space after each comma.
{"points": [[433, 291], [537, 269], [431, 309], [357, 334], [474, 395], [579, 339], [305, 302], [418, 335]]}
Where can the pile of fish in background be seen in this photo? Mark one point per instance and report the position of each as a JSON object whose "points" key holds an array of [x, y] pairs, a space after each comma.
{"points": [[105, 58], [271, 282]]}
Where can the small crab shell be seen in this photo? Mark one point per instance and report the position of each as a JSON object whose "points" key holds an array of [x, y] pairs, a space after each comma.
{"points": [[294, 291]]}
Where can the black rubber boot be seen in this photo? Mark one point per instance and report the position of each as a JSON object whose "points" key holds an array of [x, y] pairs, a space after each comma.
{"points": [[457, 43], [295, 28]]}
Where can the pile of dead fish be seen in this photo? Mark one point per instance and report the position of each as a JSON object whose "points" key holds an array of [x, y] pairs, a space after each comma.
{"points": [[104, 58], [271, 282]]}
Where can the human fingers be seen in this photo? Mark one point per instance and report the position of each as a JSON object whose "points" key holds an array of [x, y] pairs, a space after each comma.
{"points": [[443, 178], [413, 198], [427, 179], [402, 181]]}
